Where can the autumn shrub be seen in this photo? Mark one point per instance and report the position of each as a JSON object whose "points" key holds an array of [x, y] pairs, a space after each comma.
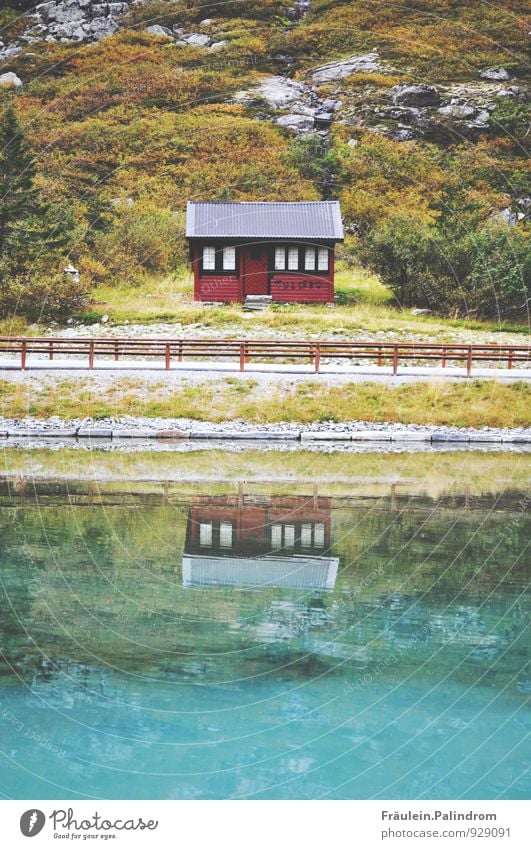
{"points": [[166, 13], [144, 239], [40, 295], [12, 24]]}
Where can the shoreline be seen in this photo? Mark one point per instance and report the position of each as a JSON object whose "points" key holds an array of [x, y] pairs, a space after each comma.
{"points": [[181, 430]]}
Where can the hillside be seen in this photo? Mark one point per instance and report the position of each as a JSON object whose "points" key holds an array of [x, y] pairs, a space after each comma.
{"points": [[414, 116]]}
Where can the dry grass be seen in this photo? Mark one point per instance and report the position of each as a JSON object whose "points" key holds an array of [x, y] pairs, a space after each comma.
{"points": [[293, 472], [365, 306], [472, 404]]}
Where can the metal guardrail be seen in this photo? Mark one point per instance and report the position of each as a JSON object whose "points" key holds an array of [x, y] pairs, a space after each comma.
{"points": [[284, 350]]}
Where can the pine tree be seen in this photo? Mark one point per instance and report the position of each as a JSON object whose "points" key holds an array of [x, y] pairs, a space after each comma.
{"points": [[33, 236], [30, 230], [17, 173]]}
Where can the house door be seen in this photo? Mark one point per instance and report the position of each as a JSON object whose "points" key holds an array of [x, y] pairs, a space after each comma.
{"points": [[256, 278]]}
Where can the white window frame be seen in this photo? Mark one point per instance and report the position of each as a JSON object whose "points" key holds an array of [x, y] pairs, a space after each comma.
{"points": [[319, 535], [309, 259], [323, 259], [276, 536], [306, 535], [205, 534], [280, 259], [229, 258], [209, 258], [289, 536], [225, 534], [293, 259]]}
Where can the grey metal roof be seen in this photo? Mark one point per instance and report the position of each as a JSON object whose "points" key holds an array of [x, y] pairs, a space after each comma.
{"points": [[259, 220]]}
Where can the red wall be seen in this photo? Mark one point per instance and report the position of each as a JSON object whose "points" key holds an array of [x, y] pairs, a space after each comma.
{"points": [[284, 287]]}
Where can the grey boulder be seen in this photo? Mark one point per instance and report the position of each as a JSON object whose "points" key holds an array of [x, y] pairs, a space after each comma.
{"points": [[415, 95], [367, 62], [494, 74], [10, 79]]}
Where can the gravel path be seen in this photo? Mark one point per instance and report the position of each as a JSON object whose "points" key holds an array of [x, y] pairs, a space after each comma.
{"points": [[265, 374]]}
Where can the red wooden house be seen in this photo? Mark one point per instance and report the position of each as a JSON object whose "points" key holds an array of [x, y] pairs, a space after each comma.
{"points": [[281, 251], [254, 540]]}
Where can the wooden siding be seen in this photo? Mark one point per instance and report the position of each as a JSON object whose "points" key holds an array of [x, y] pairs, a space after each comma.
{"points": [[301, 288], [252, 277]]}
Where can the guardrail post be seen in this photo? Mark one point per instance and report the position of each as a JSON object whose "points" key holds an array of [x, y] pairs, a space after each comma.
{"points": [[50, 351], [242, 356], [23, 355], [443, 361], [469, 361], [380, 358], [395, 360], [116, 354], [91, 354], [167, 356], [180, 352], [317, 358], [510, 360]]}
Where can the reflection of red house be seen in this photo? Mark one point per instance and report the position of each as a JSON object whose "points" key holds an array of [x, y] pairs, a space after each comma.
{"points": [[277, 541], [284, 251]]}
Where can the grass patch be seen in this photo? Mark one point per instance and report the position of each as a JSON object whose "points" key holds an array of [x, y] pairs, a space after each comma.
{"points": [[364, 306], [473, 404], [367, 474]]}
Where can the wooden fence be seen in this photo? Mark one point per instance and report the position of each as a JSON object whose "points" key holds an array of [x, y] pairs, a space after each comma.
{"points": [[279, 350]]}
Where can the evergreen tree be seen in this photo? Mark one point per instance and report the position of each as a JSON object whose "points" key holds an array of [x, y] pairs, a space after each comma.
{"points": [[30, 230], [33, 236]]}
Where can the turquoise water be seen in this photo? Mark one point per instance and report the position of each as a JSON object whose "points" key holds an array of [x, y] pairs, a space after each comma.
{"points": [[244, 641]]}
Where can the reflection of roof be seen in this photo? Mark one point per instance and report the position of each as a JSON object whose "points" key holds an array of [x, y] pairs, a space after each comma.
{"points": [[305, 572], [261, 220]]}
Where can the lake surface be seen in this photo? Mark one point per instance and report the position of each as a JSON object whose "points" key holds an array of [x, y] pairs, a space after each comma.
{"points": [[350, 628]]}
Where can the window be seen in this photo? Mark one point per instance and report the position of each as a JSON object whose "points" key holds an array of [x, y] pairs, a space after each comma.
{"points": [[229, 259], [293, 259], [289, 536], [209, 258], [309, 259], [322, 259], [276, 536], [205, 534], [219, 259], [319, 535], [225, 535], [306, 536], [280, 259]]}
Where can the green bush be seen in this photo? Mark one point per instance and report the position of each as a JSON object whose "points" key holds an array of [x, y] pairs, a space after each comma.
{"points": [[442, 268]]}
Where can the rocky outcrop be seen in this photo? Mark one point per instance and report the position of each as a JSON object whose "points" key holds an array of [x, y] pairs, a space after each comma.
{"points": [[78, 20], [91, 20], [294, 104], [69, 20], [494, 74], [11, 80], [367, 63], [415, 95]]}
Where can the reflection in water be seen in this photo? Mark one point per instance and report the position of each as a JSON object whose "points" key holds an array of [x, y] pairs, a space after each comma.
{"points": [[259, 642], [259, 541]]}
